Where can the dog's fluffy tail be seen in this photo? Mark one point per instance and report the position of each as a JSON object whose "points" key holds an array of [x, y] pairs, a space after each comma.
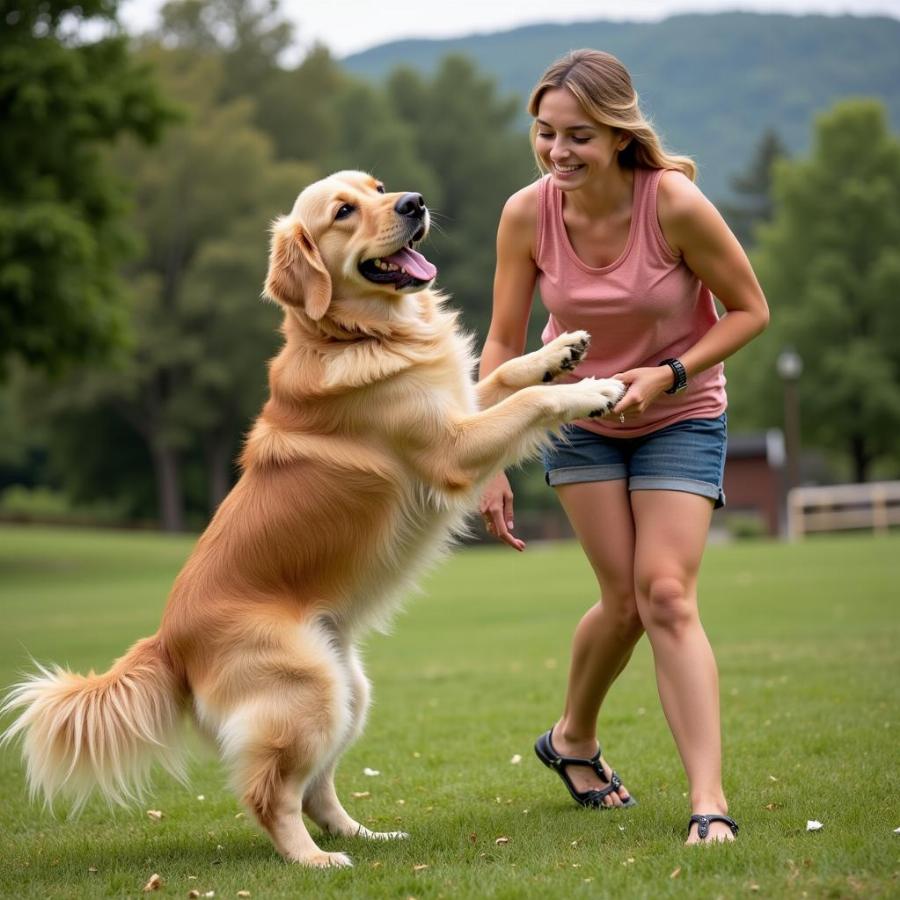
{"points": [[82, 732]]}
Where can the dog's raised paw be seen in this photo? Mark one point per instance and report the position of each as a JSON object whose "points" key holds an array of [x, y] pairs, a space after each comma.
{"points": [[566, 352]]}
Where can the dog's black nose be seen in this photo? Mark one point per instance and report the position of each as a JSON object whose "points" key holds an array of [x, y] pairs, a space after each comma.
{"points": [[412, 205]]}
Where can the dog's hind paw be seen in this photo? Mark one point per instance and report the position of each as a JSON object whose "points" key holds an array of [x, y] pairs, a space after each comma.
{"points": [[381, 835], [323, 860]]}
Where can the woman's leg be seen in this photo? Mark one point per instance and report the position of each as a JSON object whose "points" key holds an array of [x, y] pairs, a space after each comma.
{"points": [[600, 514], [671, 528]]}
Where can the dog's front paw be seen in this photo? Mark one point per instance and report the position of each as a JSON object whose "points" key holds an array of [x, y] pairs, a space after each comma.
{"points": [[564, 353], [614, 390], [590, 397]]}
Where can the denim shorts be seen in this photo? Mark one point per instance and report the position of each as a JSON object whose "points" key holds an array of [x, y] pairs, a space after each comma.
{"points": [[685, 456]]}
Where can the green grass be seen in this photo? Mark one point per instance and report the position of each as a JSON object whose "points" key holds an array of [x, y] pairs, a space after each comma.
{"points": [[807, 640]]}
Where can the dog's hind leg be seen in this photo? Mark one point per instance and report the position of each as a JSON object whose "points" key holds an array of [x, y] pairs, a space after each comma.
{"points": [[320, 800], [280, 735]]}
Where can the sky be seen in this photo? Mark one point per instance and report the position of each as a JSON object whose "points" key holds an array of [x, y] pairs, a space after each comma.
{"points": [[348, 26]]}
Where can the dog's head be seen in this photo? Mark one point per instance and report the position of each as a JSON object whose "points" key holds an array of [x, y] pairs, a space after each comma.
{"points": [[346, 237]]}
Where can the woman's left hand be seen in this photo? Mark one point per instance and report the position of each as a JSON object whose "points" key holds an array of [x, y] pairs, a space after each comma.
{"points": [[643, 386]]}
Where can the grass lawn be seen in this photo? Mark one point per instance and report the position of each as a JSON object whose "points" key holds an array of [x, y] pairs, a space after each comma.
{"points": [[808, 643]]}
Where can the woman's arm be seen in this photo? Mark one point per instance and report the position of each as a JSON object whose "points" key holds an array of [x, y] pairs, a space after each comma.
{"points": [[514, 281], [696, 231]]}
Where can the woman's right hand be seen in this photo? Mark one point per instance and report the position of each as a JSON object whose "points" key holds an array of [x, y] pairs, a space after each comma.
{"points": [[497, 511]]}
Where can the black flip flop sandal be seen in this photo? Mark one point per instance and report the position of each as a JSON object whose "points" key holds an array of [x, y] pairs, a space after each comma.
{"points": [[704, 821], [592, 799]]}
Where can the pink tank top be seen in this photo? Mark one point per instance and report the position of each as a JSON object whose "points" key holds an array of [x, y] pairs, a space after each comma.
{"points": [[641, 309]]}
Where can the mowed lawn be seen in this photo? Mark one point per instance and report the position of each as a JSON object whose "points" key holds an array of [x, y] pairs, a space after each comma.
{"points": [[808, 643]]}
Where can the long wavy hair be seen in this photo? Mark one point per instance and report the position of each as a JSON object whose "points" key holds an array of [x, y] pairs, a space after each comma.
{"points": [[602, 85]]}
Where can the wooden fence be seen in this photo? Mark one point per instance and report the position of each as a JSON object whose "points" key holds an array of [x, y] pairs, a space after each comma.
{"points": [[874, 506]]}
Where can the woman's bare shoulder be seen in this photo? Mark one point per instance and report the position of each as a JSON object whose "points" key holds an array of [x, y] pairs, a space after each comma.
{"points": [[521, 209]]}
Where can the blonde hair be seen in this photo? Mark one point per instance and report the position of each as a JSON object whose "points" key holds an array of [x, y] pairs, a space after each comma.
{"points": [[602, 85]]}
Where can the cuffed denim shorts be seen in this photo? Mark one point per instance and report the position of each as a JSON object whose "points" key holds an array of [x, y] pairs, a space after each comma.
{"points": [[685, 456]]}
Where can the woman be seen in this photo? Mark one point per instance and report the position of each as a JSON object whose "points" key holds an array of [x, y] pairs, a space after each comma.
{"points": [[622, 243]]}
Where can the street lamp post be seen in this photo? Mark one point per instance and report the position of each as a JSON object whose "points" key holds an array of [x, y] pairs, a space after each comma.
{"points": [[790, 367]]}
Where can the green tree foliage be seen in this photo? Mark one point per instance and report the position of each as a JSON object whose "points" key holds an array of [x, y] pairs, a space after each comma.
{"points": [[248, 35], [465, 132], [157, 432], [62, 228], [753, 189], [830, 266], [196, 372]]}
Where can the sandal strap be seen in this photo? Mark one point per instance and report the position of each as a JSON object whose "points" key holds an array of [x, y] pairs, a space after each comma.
{"points": [[703, 823], [558, 761]]}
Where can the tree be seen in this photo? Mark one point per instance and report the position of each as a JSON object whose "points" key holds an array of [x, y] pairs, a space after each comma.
{"points": [[830, 266], [195, 372], [753, 188], [63, 235], [468, 136]]}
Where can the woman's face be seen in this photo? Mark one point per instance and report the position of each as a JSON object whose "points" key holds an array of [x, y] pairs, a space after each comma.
{"points": [[573, 147]]}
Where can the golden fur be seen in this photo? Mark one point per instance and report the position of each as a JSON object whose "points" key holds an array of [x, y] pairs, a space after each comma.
{"points": [[371, 450]]}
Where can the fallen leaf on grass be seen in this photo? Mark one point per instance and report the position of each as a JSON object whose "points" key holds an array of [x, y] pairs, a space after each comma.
{"points": [[473, 837], [772, 806], [201, 796], [675, 872], [897, 831], [92, 869], [753, 887], [243, 893], [420, 867], [359, 795], [239, 815], [154, 884], [813, 825], [772, 778], [210, 894], [193, 894], [501, 840], [516, 759], [155, 814]]}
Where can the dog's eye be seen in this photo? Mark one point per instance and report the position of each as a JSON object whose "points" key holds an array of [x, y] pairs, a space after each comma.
{"points": [[379, 188], [346, 210]]}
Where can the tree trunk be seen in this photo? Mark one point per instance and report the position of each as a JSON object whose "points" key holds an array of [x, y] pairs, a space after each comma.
{"points": [[861, 458], [167, 468], [220, 467]]}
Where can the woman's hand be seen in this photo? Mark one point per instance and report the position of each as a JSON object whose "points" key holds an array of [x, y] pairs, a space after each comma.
{"points": [[497, 511], [643, 386]]}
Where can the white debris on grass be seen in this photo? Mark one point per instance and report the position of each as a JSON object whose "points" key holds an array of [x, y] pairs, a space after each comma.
{"points": [[813, 825], [516, 759], [370, 772]]}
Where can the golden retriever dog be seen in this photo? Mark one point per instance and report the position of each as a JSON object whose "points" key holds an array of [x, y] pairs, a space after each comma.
{"points": [[371, 450]]}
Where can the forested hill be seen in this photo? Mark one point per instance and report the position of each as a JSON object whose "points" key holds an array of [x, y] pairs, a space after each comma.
{"points": [[711, 83]]}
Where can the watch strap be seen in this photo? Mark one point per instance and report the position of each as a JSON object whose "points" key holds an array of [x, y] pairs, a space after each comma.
{"points": [[680, 375]]}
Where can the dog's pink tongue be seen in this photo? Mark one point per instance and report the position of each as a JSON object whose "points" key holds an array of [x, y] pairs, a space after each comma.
{"points": [[413, 263]]}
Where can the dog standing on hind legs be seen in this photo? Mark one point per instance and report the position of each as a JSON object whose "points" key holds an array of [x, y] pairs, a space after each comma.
{"points": [[371, 450]]}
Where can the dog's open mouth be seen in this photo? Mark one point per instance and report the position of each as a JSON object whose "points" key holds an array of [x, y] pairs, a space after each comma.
{"points": [[402, 269]]}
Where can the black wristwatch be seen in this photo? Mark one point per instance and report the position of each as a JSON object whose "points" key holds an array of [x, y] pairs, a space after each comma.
{"points": [[677, 367]]}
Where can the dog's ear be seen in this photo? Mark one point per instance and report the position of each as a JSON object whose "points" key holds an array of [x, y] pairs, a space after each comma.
{"points": [[297, 276]]}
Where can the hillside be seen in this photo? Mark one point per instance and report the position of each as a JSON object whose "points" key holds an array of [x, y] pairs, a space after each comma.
{"points": [[711, 83]]}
